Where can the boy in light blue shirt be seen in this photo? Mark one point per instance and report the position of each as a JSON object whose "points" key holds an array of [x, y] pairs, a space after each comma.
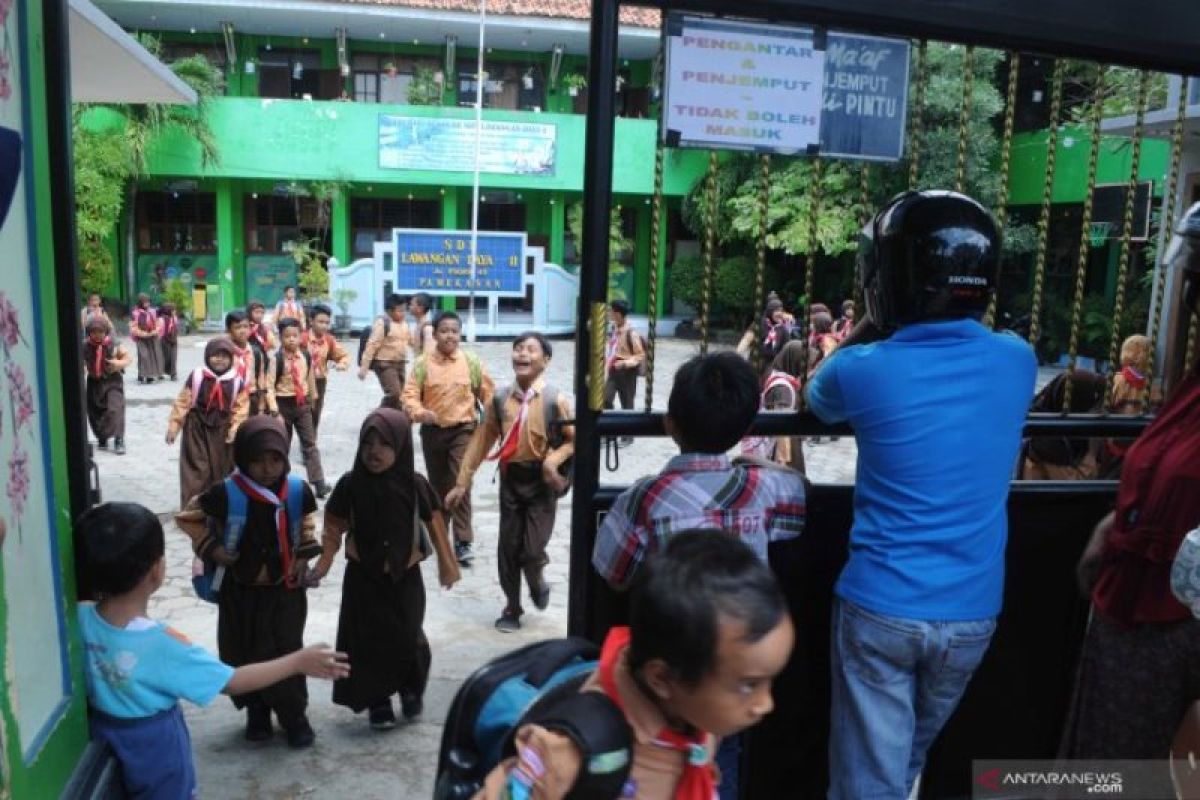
{"points": [[138, 669]]}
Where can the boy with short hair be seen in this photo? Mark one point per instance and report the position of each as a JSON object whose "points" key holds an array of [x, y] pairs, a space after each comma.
{"points": [[260, 332], [387, 352], [105, 360], [424, 323], [249, 361], [713, 402], [531, 452], [324, 350], [623, 358], [290, 308], [443, 393], [291, 392], [94, 308], [708, 632], [137, 669]]}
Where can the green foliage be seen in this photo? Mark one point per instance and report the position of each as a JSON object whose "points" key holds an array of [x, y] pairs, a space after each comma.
{"points": [[732, 296], [313, 277], [1120, 90], [574, 80], [619, 247], [181, 296], [424, 90]]}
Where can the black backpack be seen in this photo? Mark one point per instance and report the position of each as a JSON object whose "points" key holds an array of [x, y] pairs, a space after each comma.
{"points": [[365, 335], [554, 434], [279, 362], [540, 684]]}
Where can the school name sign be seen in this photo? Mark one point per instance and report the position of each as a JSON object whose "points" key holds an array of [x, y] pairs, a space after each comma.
{"points": [[440, 261], [784, 89]]}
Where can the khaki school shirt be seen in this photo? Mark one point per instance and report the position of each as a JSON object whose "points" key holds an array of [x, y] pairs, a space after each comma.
{"points": [[390, 347], [446, 389], [284, 386], [533, 443]]}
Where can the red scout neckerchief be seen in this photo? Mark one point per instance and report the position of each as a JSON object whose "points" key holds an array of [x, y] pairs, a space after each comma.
{"points": [[508, 443], [257, 330], [265, 495], [98, 368], [168, 325], [288, 309], [1134, 378], [243, 369], [318, 349], [294, 369], [696, 783], [215, 394], [147, 320]]}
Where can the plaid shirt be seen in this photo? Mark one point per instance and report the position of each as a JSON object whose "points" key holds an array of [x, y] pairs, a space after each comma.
{"points": [[761, 504]]}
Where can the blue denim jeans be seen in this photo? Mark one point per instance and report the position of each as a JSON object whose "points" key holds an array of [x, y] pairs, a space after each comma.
{"points": [[895, 683]]}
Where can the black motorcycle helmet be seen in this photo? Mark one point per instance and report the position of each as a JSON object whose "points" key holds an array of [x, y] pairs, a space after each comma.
{"points": [[1184, 254], [926, 256]]}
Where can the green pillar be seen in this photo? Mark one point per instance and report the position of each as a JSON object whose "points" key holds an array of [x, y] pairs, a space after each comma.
{"points": [[230, 240], [558, 228], [339, 213], [449, 222], [641, 260]]}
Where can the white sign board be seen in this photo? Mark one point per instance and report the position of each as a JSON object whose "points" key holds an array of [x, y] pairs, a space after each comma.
{"points": [[742, 85]]}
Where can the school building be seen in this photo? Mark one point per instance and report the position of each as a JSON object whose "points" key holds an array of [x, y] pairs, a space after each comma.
{"points": [[377, 99]]}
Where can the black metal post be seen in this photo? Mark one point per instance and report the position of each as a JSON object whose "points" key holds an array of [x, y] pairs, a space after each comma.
{"points": [[593, 288], [62, 222]]}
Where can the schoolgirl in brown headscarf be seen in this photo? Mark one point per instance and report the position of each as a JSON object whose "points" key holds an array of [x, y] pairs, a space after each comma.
{"points": [[262, 607], [209, 409], [104, 362], [382, 507]]}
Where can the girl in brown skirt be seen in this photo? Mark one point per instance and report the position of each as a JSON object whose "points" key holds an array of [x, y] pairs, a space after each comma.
{"points": [[105, 360], [208, 410], [144, 330], [381, 505]]}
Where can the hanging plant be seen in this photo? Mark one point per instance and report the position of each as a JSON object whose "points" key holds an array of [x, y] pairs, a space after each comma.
{"points": [[573, 83]]}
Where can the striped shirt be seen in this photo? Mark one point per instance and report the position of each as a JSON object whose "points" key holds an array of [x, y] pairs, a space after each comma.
{"points": [[762, 504]]}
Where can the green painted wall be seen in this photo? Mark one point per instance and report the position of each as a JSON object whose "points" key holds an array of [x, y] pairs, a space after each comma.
{"points": [[1071, 164], [49, 768]]}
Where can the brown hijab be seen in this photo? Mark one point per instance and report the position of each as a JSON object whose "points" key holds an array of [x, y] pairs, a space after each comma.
{"points": [[257, 434], [382, 504], [215, 397]]}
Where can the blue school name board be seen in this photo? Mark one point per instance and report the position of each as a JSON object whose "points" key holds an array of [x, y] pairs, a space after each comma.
{"points": [[440, 262]]}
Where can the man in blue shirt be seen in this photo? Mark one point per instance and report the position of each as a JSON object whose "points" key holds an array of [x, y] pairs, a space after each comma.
{"points": [[937, 404]]}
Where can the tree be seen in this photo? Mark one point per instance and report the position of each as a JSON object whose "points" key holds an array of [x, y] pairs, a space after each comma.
{"points": [[619, 246], [109, 159]]}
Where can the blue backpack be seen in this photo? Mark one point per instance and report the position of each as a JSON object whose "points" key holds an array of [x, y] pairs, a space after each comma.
{"points": [[540, 684], [208, 584]]}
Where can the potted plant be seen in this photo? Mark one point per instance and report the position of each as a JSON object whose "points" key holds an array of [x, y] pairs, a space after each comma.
{"points": [[573, 83], [424, 89], [343, 298]]}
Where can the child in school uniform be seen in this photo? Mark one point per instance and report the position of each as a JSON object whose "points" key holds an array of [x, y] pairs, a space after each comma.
{"points": [[209, 409], [325, 351], [137, 669], [530, 455], [262, 337], [290, 308], [270, 516], [168, 337], [105, 361], [291, 392], [386, 351], [250, 364], [380, 506], [420, 308], [94, 308], [144, 330]]}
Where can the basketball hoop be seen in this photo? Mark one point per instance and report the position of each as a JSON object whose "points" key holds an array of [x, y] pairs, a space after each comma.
{"points": [[1099, 232]]}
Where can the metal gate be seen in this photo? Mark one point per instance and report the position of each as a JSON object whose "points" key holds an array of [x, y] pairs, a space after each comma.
{"points": [[1017, 701]]}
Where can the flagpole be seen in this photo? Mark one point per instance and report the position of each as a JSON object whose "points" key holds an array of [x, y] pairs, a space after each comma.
{"points": [[471, 331]]}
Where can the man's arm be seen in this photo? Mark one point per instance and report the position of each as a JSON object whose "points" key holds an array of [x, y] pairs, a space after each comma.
{"points": [[823, 392]]}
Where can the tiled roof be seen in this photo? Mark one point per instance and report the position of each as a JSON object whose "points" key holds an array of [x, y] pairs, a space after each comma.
{"points": [[558, 9]]}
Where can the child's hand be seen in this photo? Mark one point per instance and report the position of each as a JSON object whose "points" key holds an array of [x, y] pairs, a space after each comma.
{"points": [[362, 373], [455, 497], [222, 556], [554, 479], [171, 436], [315, 575], [426, 417], [299, 570], [448, 573], [319, 661]]}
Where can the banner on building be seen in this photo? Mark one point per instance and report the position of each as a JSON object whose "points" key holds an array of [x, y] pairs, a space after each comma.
{"points": [[432, 143], [156, 271], [439, 262], [783, 89]]}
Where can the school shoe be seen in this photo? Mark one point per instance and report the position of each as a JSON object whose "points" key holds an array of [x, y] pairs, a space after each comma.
{"points": [[625, 441], [300, 734], [381, 716], [411, 705], [258, 724], [509, 621], [462, 552], [102, 444], [540, 597], [119, 446], [321, 489]]}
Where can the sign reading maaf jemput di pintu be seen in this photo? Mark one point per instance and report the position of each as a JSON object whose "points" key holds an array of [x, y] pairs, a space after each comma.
{"points": [[742, 85]]}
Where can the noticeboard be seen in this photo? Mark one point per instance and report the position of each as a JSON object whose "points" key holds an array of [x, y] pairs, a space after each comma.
{"points": [[435, 143], [784, 89], [440, 262]]}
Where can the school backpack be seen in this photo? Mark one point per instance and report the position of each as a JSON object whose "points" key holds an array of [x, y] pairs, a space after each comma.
{"points": [[365, 335], [539, 684], [474, 369], [635, 335], [207, 581], [279, 362], [550, 415]]}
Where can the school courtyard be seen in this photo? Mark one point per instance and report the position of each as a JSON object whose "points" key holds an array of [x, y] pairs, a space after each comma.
{"points": [[349, 759]]}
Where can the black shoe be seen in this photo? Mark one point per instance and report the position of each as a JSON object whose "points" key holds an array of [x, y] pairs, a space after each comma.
{"points": [[258, 724], [411, 705], [540, 597], [119, 446], [321, 489], [174, 378], [509, 621], [462, 552], [300, 734], [625, 441], [102, 444], [381, 716]]}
